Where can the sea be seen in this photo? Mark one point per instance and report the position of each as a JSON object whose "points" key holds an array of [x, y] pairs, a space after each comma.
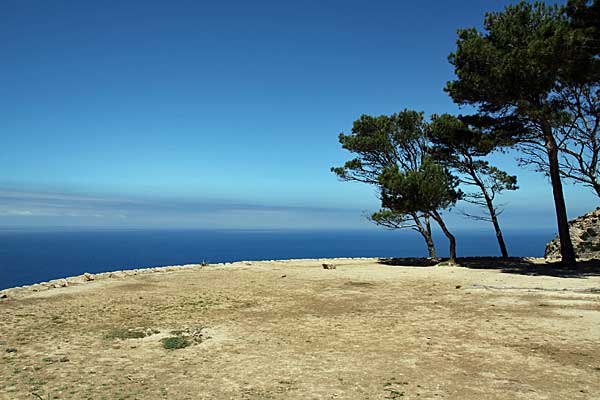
{"points": [[31, 256]]}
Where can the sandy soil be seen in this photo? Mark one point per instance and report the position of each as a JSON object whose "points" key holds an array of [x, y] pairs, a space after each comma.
{"points": [[293, 330]]}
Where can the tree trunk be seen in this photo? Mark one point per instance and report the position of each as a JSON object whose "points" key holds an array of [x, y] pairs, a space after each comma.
{"points": [[596, 187], [429, 239], [490, 205], [499, 235], [451, 239], [566, 246], [425, 231]]}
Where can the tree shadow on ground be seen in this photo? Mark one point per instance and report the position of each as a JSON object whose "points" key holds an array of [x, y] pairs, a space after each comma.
{"points": [[409, 262], [512, 265], [525, 266]]}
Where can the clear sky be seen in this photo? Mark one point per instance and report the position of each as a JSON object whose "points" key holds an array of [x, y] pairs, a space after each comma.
{"points": [[219, 114]]}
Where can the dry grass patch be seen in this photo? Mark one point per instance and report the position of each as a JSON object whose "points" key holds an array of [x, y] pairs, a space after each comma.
{"points": [[364, 331]]}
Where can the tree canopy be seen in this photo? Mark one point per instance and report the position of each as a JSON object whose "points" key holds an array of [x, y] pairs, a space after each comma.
{"points": [[392, 153], [517, 74], [430, 187], [462, 148], [533, 76]]}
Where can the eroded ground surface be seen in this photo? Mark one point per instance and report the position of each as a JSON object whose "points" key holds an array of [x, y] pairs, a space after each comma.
{"points": [[293, 330]]}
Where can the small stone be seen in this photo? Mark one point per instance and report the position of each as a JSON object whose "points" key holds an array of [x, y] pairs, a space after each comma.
{"points": [[458, 286], [3, 296], [283, 276], [88, 277], [328, 266], [11, 350]]}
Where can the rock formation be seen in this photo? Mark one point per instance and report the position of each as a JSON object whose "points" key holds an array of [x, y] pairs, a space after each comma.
{"points": [[585, 234]]}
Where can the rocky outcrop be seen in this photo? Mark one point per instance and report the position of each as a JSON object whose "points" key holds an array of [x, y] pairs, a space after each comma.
{"points": [[585, 234]]}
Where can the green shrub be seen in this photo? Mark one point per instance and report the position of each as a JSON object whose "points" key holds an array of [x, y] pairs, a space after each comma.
{"points": [[175, 342]]}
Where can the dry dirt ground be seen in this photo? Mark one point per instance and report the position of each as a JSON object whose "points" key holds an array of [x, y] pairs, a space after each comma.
{"points": [[293, 330]]}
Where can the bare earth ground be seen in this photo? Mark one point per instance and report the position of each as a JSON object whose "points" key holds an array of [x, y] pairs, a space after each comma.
{"points": [[293, 330]]}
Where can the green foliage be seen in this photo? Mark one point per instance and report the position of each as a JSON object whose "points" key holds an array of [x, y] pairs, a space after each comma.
{"points": [[584, 18], [461, 147], [528, 56], [175, 342], [452, 136], [391, 219], [428, 188], [381, 142], [580, 137], [396, 148], [516, 64], [500, 179], [524, 73], [393, 153]]}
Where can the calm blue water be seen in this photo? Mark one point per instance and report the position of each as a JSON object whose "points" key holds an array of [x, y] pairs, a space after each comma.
{"points": [[30, 257]]}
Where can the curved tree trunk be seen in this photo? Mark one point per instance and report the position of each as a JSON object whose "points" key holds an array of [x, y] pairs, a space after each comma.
{"points": [[429, 239], [499, 236], [566, 246], [425, 231], [493, 216], [451, 239]]}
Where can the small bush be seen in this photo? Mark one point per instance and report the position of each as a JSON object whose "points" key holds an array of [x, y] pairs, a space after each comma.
{"points": [[175, 342]]}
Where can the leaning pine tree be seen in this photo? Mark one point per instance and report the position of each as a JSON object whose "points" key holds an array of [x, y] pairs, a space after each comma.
{"points": [[462, 149], [518, 74], [428, 189], [580, 141], [384, 142]]}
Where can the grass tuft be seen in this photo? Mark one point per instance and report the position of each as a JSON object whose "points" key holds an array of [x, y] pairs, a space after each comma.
{"points": [[124, 333], [175, 342]]}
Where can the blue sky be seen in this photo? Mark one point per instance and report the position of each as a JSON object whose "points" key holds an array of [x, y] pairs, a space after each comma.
{"points": [[218, 115]]}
